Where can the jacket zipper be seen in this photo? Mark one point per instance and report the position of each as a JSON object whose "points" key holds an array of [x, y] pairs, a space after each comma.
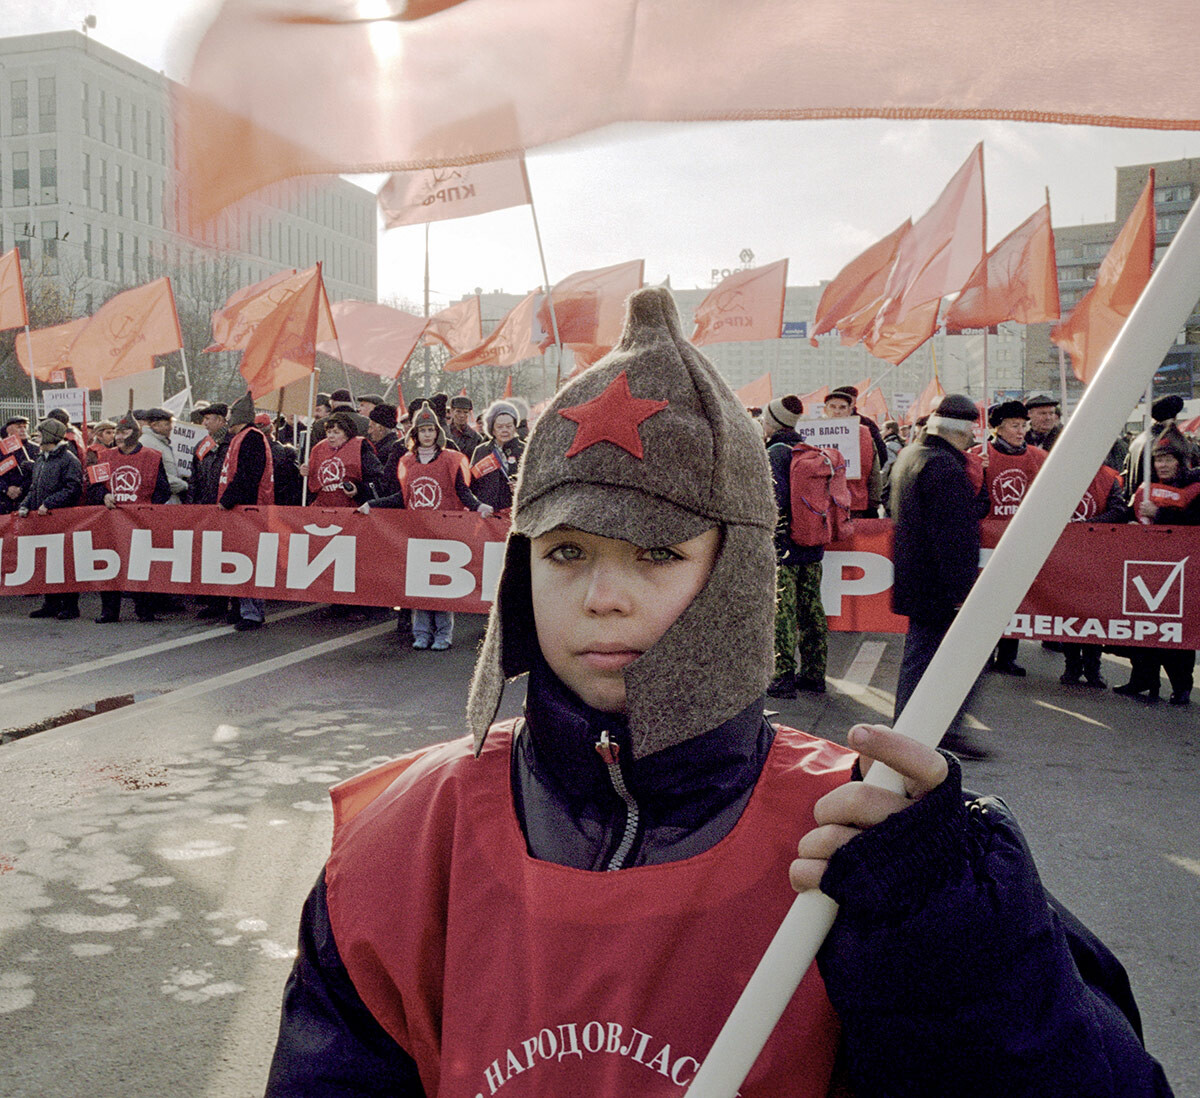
{"points": [[607, 750]]}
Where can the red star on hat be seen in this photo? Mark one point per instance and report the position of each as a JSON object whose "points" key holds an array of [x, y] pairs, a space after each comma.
{"points": [[613, 417]]}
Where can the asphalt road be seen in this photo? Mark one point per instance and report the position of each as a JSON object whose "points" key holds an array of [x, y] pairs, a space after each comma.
{"points": [[153, 858]]}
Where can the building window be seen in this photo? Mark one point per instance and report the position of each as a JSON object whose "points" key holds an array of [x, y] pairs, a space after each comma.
{"points": [[133, 134], [135, 258], [47, 105], [87, 251], [104, 252], [133, 194], [104, 186], [102, 118], [87, 180], [149, 200], [48, 165], [120, 189], [1168, 223], [120, 257], [119, 122], [147, 134], [1180, 192], [86, 109], [20, 178], [162, 140], [22, 243], [49, 233], [20, 106]]}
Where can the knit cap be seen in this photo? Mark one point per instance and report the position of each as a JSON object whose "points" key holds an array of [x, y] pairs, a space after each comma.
{"points": [[425, 416], [782, 413], [649, 445], [954, 412], [52, 430]]}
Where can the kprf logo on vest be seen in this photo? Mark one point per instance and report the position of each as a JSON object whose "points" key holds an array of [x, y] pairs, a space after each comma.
{"points": [[125, 483], [332, 474], [425, 492], [1008, 489], [1154, 588]]}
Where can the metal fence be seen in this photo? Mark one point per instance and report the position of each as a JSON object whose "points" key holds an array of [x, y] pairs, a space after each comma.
{"points": [[16, 406]]}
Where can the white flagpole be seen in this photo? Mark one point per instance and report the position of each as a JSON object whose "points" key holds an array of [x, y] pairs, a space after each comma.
{"points": [[312, 396], [1148, 445], [1137, 352], [546, 280], [32, 376]]}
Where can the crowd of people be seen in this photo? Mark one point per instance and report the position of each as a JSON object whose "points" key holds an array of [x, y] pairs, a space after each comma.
{"points": [[356, 454]]}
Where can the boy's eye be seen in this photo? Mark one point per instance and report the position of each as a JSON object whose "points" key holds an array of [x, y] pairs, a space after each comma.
{"points": [[565, 552], [661, 555]]}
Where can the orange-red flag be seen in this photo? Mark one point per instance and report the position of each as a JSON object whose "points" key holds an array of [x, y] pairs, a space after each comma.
{"points": [[895, 342], [439, 194], [12, 292], [926, 402], [376, 339], [935, 257], [234, 322], [1017, 280], [811, 400], [125, 334], [757, 394], [457, 327], [871, 403], [1089, 331], [508, 387], [858, 286], [589, 307], [748, 305], [282, 345], [50, 347], [316, 86], [516, 338]]}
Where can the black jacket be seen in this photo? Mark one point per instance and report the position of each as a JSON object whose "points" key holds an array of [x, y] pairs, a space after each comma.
{"points": [[56, 480], [242, 490], [495, 488], [936, 539]]}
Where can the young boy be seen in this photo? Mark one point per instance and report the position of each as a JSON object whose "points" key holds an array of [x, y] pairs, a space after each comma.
{"points": [[569, 904]]}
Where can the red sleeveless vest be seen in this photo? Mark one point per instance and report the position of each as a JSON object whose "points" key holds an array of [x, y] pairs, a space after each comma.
{"points": [[859, 498], [131, 477], [1008, 479], [1164, 495], [432, 485], [266, 484], [491, 968], [1095, 499], [329, 469]]}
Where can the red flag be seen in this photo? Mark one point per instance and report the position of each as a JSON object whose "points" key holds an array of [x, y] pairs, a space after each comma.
{"points": [[1089, 331], [508, 387], [234, 322], [270, 93], [870, 402], [100, 473], [895, 342], [513, 340], [926, 402], [858, 285], [12, 292], [457, 327], [376, 339], [50, 347], [439, 194], [1017, 280], [589, 307], [748, 305], [757, 394], [125, 334], [935, 257], [282, 345], [811, 400]]}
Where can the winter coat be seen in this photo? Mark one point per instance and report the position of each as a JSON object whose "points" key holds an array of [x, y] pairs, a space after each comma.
{"points": [[1039, 1006], [170, 465], [935, 550], [56, 480], [495, 487]]}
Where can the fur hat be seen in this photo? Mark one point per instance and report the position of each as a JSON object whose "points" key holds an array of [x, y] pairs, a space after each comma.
{"points": [[343, 421], [439, 402], [1041, 400], [425, 416], [499, 408], [241, 412], [461, 401], [649, 445], [52, 430], [1165, 408], [782, 412], [340, 396], [1173, 441], [153, 415], [128, 422], [384, 415], [1006, 409]]}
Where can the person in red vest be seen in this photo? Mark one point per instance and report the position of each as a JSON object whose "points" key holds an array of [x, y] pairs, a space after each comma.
{"points": [[127, 474], [431, 477], [1173, 499], [571, 902], [1010, 464], [866, 490], [342, 466], [247, 479], [103, 437]]}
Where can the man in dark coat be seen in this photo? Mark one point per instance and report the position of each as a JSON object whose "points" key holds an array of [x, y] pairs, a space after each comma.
{"points": [[459, 429], [937, 511], [16, 463], [247, 462], [56, 481], [1045, 420]]}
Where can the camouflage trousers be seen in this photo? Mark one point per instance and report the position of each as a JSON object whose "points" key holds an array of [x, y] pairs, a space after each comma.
{"points": [[800, 621]]}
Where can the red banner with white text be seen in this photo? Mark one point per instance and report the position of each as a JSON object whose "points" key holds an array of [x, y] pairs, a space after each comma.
{"points": [[1134, 588]]}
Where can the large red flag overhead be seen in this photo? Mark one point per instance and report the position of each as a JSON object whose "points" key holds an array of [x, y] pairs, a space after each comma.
{"points": [[12, 292], [1089, 331], [293, 87], [439, 194], [589, 307], [457, 327], [748, 305], [234, 322], [516, 338], [939, 253], [1017, 280], [858, 286], [50, 347], [125, 334], [282, 346], [376, 339], [895, 342]]}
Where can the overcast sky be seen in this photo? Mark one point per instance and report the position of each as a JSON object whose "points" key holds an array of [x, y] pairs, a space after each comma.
{"points": [[689, 197]]}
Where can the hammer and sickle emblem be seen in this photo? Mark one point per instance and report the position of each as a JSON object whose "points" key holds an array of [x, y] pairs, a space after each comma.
{"points": [[426, 492]]}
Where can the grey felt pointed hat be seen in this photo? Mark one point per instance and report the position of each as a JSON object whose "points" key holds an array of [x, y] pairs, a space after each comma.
{"points": [[651, 446]]}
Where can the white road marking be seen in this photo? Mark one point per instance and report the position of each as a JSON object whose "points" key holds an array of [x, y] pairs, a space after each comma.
{"points": [[1072, 713], [230, 678], [1190, 864], [138, 653], [862, 667]]}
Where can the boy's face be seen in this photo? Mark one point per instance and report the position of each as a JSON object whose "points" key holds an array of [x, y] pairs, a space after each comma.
{"points": [[426, 436], [599, 603]]}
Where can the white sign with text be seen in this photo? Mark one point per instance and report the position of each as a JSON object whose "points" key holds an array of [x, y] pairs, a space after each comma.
{"points": [[842, 434]]}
